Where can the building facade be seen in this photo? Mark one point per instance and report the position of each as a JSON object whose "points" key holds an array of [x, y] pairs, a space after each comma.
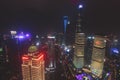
{"points": [[33, 67], [98, 56], [78, 58]]}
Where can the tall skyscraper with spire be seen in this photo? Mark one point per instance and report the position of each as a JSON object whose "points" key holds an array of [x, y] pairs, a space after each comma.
{"points": [[78, 25], [78, 59]]}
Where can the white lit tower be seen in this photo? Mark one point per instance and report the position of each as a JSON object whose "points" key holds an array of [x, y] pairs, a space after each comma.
{"points": [[33, 65], [78, 58]]}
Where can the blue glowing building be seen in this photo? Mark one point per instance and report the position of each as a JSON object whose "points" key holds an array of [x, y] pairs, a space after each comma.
{"points": [[66, 23]]}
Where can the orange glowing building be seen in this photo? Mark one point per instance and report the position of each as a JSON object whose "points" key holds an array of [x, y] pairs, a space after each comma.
{"points": [[33, 67]]}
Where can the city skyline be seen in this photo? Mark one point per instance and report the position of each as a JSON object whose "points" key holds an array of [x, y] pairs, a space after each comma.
{"points": [[59, 40]]}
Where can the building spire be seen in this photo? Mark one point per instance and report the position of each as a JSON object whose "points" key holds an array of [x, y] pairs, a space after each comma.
{"points": [[79, 18], [78, 25]]}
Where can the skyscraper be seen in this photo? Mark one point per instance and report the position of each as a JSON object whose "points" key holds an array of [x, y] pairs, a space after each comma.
{"points": [[3, 54], [98, 55], [88, 49], [78, 59], [37, 67], [26, 67], [33, 66], [66, 22]]}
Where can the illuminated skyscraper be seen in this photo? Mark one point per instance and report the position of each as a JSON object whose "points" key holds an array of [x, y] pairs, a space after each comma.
{"points": [[78, 59], [98, 56], [26, 67], [66, 23], [37, 68], [33, 66]]}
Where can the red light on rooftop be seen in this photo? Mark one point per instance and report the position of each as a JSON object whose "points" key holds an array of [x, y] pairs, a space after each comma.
{"points": [[40, 57], [25, 58]]}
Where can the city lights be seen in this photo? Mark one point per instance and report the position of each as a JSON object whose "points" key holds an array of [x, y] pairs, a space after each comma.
{"points": [[40, 57], [21, 37], [115, 50], [80, 6], [60, 40], [25, 58], [27, 35], [107, 74], [38, 43], [51, 37], [13, 32], [90, 37], [83, 76]]}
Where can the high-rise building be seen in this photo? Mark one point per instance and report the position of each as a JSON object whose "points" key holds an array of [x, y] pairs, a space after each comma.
{"points": [[78, 59], [33, 66], [98, 56], [115, 57], [59, 38], [88, 49], [66, 23], [3, 59], [3, 55], [26, 67], [37, 68]]}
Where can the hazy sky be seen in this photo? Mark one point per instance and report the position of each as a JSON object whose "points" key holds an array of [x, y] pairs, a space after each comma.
{"points": [[46, 15]]}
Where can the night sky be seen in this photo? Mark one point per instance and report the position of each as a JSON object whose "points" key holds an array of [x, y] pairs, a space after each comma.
{"points": [[100, 16]]}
